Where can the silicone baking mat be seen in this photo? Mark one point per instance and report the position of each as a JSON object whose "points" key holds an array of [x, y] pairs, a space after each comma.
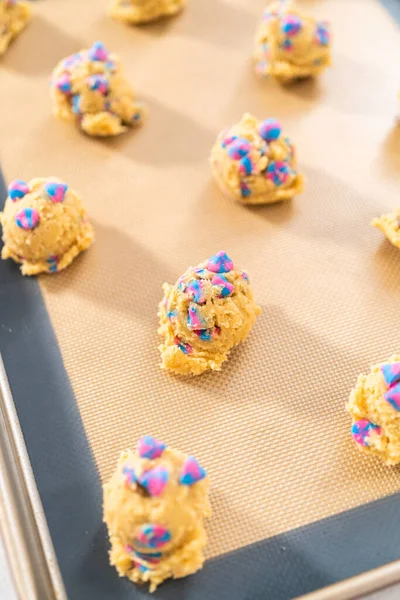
{"points": [[295, 506]]}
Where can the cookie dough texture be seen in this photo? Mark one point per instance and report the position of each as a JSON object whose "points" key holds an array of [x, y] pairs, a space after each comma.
{"points": [[290, 45], [389, 224], [143, 11], [154, 508], [374, 405], [89, 87], [208, 311], [44, 225], [14, 16], [253, 162]]}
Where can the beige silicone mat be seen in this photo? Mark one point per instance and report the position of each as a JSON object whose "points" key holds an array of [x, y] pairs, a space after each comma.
{"points": [[271, 427]]}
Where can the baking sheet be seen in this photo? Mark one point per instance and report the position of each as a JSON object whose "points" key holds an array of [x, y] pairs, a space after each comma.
{"points": [[271, 427]]}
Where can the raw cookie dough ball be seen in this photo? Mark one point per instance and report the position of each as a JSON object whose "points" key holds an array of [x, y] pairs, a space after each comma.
{"points": [[389, 224], [14, 15], [44, 225], [208, 311], [290, 45], [374, 405], [254, 163], [89, 87], [154, 508], [144, 11]]}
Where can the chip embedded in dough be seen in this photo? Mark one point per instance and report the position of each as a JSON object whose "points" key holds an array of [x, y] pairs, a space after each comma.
{"points": [[374, 405], [143, 11], [14, 16], [44, 225], [89, 87], [154, 508], [208, 311], [253, 162], [290, 45]]}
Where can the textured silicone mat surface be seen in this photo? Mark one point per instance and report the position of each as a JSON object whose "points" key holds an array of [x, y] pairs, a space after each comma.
{"points": [[271, 427]]}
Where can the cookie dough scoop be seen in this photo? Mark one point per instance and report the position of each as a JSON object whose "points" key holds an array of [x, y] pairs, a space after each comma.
{"points": [[291, 45], [389, 224], [90, 88], [254, 162], [135, 12], [209, 311], [154, 507], [14, 16], [374, 406], [45, 225]]}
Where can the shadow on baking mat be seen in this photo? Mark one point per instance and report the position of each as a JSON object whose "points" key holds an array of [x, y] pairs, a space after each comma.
{"points": [[27, 56], [279, 568]]}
